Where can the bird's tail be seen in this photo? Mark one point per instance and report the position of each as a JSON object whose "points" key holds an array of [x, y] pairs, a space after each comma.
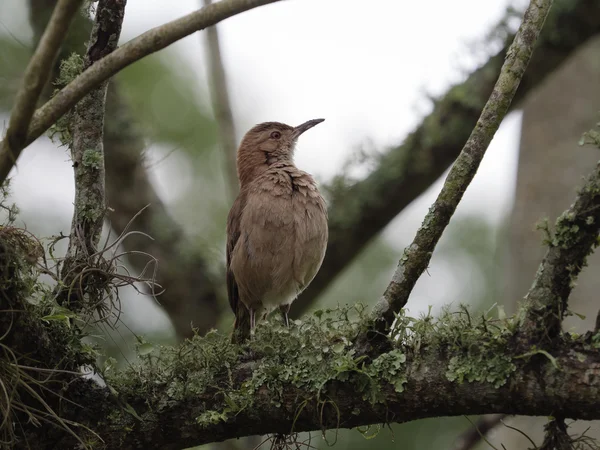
{"points": [[241, 326]]}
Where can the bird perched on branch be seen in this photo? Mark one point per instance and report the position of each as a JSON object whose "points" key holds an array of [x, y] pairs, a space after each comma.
{"points": [[276, 229]]}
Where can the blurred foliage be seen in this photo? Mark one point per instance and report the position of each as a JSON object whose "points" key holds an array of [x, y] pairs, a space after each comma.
{"points": [[166, 97], [13, 60], [163, 91]]}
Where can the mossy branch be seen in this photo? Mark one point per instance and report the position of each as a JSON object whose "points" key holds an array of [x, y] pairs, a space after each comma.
{"points": [[206, 391], [573, 239], [87, 153], [190, 294], [417, 256]]}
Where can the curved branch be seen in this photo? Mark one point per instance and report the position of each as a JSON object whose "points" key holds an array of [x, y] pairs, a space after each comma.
{"points": [[417, 256], [35, 78], [145, 44], [358, 213]]}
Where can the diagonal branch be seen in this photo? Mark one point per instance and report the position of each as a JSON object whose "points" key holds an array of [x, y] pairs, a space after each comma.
{"points": [[574, 238], [222, 105], [145, 44], [417, 256], [359, 212], [35, 78]]}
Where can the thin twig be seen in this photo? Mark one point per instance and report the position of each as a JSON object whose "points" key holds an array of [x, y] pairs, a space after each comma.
{"points": [[217, 77], [35, 78], [477, 432], [134, 50], [417, 256]]}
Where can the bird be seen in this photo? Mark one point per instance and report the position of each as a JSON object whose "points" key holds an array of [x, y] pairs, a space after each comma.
{"points": [[276, 229]]}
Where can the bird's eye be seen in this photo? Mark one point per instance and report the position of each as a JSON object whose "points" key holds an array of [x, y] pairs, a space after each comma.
{"points": [[275, 135]]}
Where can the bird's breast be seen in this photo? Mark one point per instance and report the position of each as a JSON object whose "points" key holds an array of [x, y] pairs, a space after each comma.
{"points": [[284, 238]]}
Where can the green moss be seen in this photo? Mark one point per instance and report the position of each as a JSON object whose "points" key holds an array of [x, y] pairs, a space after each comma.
{"points": [[390, 367], [93, 158], [70, 68], [310, 355], [480, 345]]}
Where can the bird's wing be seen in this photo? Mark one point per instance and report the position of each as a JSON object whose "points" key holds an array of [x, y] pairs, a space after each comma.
{"points": [[233, 234], [241, 326]]}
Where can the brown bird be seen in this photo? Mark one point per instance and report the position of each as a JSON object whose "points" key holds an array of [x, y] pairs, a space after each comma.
{"points": [[276, 229]]}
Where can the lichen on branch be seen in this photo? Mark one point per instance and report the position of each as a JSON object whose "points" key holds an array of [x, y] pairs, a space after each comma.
{"points": [[87, 152], [573, 239], [417, 255]]}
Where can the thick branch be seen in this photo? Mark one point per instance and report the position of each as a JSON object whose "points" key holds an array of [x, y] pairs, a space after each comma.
{"points": [[222, 105], [145, 44], [417, 256], [87, 150], [35, 78], [575, 236], [358, 213], [279, 406]]}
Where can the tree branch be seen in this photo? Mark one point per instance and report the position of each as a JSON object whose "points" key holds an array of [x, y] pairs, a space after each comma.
{"points": [[417, 256], [359, 212], [574, 238], [35, 78], [204, 396], [145, 44], [87, 153], [222, 105]]}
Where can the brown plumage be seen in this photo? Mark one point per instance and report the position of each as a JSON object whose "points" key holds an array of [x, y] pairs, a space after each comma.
{"points": [[276, 229]]}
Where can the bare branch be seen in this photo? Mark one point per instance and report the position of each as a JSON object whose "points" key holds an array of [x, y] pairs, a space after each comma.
{"points": [[359, 212], [222, 105], [417, 256], [87, 148], [35, 78]]}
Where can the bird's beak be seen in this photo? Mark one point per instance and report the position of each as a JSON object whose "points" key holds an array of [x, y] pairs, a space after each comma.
{"points": [[306, 126]]}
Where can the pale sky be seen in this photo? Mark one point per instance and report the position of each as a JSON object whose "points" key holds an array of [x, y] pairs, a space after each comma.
{"points": [[365, 66]]}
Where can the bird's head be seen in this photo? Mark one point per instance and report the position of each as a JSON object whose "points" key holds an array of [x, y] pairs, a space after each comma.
{"points": [[266, 144]]}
